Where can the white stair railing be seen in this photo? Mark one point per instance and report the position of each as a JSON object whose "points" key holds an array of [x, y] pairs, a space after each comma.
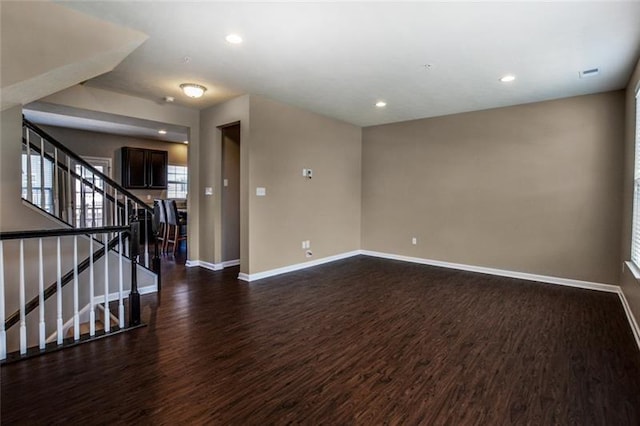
{"points": [[65, 246], [67, 187]]}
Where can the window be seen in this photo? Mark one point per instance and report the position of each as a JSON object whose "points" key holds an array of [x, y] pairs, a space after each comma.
{"points": [[41, 182], [89, 204], [635, 232], [177, 181]]}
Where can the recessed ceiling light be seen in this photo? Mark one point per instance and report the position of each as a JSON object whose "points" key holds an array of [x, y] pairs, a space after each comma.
{"points": [[381, 104], [193, 90], [162, 132], [233, 39], [185, 142], [508, 78]]}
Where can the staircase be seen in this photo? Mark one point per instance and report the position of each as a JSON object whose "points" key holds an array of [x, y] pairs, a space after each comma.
{"points": [[91, 264]]}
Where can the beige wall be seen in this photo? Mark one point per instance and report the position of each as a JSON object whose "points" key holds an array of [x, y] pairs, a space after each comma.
{"points": [[324, 209], [93, 144], [630, 284], [532, 188], [14, 216], [210, 160]]}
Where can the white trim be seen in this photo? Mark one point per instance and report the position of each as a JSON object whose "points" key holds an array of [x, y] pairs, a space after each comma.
{"points": [[212, 266], [230, 263], [116, 295], [500, 272], [202, 264], [296, 267], [633, 269], [632, 320]]}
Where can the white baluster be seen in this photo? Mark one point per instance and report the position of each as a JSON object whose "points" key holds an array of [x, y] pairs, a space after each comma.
{"points": [[59, 322], [76, 314], [3, 334], [120, 285], [116, 218], [43, 329], [42, 198], [71, 214], [92, 310], [29, 182], [107, 314], [56, 185], [93, 199], [83, 203], [23, 322]]}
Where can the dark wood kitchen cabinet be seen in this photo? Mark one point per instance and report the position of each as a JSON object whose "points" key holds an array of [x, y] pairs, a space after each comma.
{"points": [[144, 168]]}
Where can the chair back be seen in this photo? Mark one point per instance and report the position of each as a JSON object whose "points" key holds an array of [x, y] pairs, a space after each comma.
{"points": [[171, 212], [160, 211]]}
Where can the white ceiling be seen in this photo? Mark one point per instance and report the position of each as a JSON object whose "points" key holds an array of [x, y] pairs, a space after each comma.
{"points": [[95, 121], [338, 59]]}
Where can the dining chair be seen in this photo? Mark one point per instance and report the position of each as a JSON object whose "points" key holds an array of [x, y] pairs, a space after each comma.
{"points": [[174, 226], [160, 211]]}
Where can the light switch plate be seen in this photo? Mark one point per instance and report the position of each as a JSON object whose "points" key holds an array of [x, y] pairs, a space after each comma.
{"points": [[208, 190], [261, 192], [225, 182]]}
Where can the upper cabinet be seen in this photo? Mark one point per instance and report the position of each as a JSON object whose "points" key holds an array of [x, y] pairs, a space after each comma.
{"points": [[144, 168]]}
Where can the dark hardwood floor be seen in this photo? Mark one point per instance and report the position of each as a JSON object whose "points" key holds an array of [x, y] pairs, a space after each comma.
{"points": [[359, 341]]}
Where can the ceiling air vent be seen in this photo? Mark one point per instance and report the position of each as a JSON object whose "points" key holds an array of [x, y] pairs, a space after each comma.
{"points": [[589, 73]]}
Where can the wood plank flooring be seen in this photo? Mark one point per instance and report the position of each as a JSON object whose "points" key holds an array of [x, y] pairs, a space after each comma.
{"points": [[360, 341]]}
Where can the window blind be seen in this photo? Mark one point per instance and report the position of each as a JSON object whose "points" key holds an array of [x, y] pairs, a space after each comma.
{"points": [[635, 232]]}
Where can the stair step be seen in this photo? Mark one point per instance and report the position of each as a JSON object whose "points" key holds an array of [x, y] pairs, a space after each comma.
{"points": [[85, 327]]}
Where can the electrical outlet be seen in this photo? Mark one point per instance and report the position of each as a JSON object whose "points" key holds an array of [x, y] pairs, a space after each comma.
{"points": [[414, 241]]}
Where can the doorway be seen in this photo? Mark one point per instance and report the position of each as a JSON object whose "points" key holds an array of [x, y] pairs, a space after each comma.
{"points": [[231, 194]]}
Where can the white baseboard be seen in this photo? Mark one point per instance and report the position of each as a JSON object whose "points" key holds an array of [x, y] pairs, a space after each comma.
{"points": [[212, 266], [296, 267], [500, 272], [230, 263], [202, 264]]}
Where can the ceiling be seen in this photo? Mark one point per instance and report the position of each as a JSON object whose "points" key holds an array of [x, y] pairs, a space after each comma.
{"points": [[339, 59], [95, 121]]}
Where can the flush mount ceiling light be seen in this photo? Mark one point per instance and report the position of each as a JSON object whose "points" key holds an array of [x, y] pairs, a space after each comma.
{"points": [[508, 78], [193, 90], [162, 132], [233, 39], [381, 104]]}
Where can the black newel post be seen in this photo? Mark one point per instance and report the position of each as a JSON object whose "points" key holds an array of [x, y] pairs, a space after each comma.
{"points": [[155, 224], [134, 297]]}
